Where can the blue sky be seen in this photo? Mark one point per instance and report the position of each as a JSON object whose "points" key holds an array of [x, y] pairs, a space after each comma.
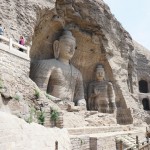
{"points": [[134, 15]]}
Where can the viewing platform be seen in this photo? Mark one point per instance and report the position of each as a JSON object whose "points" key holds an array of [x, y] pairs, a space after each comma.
{"points": [[8, 45]]}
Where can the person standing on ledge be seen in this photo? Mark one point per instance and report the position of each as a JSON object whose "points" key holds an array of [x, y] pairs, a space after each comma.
{"points": [[58, 77], [21, 42], [1, 30]]}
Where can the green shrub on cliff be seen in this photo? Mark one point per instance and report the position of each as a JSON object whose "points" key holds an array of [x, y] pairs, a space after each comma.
{"points": [[16, 97], [37, 93], [41, 117]]}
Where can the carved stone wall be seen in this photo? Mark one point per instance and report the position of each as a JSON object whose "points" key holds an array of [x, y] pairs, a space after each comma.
{"points": [[143, 74], [100, 39], [143, 56], [18, 91], [13, 75]]}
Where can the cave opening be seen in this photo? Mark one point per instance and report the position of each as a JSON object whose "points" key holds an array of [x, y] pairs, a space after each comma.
{"points": [[145, 103], [143, 86]]}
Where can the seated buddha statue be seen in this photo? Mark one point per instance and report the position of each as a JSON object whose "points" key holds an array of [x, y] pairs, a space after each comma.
{"points": [[58, 77]]}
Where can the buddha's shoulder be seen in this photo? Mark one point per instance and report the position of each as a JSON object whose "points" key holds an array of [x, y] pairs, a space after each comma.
{"points": [[75, 70], [49, 61], [46, 61]]}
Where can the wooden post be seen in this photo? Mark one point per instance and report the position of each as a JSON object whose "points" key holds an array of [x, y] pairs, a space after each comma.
{"points": [[147, 139], [121, 146], [10, 43], [56, 145], [147, 136], [28, 51], [137, 142]]}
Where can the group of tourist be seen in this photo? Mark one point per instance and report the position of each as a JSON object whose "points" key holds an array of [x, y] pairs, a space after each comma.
{"points": [[21, 40]]}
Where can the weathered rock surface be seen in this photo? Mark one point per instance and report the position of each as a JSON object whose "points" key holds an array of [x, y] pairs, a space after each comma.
{"points": [[20, 17], [19, 95], [16, 134], [100, 39], [142, 65]]}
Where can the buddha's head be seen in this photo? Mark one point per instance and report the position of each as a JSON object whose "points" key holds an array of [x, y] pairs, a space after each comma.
{"points": [[65, 47], [100, 72]]}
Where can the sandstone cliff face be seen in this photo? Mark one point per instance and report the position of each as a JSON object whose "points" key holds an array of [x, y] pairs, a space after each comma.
{"points": [[19, 95], [20, 17], [100, 39], [142, 64], [17, 89]]}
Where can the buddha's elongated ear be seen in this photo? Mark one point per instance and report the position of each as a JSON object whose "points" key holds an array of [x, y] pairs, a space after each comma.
{"points": [[56, 48]]}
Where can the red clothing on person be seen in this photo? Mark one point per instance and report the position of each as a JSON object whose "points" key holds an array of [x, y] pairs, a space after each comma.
{"points": [[21, 41]]}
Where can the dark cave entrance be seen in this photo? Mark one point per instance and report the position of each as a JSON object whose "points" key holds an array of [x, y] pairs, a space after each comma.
{"points": [[143, 86], [145, 103]]}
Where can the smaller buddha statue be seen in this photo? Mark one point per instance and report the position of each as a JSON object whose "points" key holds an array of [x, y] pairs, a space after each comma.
{"points": [[101, 96]]}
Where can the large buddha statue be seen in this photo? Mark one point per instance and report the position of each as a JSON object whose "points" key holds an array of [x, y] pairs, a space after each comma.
{"points": [[101, 96], [58, 77]]}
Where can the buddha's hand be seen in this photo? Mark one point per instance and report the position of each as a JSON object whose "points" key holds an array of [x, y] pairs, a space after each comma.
{"points": [[81, 102]]}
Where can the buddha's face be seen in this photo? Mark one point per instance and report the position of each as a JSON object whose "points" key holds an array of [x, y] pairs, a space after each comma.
{"points": [[100, 74], [66, 48]]}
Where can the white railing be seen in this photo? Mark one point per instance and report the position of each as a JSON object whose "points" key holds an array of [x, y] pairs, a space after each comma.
{"points": [[14, 45], [139, 145]]}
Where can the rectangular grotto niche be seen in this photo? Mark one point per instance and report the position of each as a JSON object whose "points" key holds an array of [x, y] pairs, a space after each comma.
{"points": [[87, 55], [89, 52]]}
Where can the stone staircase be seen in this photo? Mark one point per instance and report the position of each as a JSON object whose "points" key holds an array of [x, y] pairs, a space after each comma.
{"points": [[95, 138], [132, 142], [127, 140], [96, 130]]}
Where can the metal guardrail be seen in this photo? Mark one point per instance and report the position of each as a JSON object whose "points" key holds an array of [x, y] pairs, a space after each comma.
{"points": [[145, 147], [121, 142], [12, 44], [142, 145]]}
